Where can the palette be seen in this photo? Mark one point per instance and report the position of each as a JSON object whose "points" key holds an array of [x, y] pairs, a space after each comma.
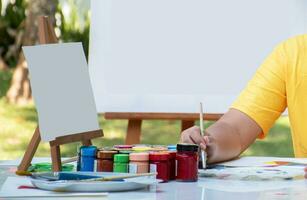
{"points": [[54, 182]]}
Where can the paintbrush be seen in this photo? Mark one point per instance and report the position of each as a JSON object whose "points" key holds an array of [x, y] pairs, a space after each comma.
{"points": [[120, 177], [201, 124], [69, 160]]}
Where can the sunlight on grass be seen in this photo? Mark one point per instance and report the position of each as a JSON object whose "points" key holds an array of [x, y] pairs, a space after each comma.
{"points": [[18, 123]]}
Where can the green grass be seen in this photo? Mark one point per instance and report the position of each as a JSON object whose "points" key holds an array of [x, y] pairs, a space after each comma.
{"points": [[18, 123], [5, 79]]}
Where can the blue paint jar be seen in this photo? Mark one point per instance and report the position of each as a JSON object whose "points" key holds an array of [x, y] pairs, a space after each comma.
{"points": [[88, 157]]}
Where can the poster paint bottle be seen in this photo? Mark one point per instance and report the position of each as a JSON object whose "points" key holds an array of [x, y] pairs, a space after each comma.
{"points": [[105, 160], [187, 162], [88, 156], [121, 163], [159, 162], [139, 163]]}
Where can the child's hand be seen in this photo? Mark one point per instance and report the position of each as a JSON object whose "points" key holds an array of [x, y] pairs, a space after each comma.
{"points": [[193, 136]]}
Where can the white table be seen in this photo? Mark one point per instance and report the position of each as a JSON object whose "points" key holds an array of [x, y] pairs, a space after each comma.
{"points": [[203, 189]]}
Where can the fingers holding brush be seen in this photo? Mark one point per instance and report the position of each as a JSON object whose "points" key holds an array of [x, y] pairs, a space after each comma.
{"points": [[192, 135]]}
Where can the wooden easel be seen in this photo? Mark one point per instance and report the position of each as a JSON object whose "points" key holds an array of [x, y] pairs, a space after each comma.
{"points": [[46, 36], [135, 121]]}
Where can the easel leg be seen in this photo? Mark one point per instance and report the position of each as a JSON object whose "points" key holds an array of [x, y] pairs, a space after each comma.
{"points": [[134, 132], [28, 156], [186, 124], [56, 158]]}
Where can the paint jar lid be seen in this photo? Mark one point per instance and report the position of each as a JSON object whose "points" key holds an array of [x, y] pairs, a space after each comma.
{"points": [[103, 154], [172, 147], [187, 147], [88, 150], [125, 151], [156, 156], [123, 146], [141, 148], [159, 148], [121, 158], [139, 156]]}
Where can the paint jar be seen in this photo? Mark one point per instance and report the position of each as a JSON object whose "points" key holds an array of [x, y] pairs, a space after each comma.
{"points": [[159, 163], [172, 165], [139, 163], [187, 162], [121, 163], [105, 160], [88, 156]]}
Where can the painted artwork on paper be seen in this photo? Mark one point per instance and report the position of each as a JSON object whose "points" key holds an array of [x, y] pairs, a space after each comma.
{"points": [[254, 173]]}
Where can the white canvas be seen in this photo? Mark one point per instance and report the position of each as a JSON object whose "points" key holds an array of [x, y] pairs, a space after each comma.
{"points": [[169, 55], [61, 89]]}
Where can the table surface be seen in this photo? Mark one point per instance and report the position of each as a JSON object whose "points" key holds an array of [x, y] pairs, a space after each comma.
{"points": [[205, 189]]}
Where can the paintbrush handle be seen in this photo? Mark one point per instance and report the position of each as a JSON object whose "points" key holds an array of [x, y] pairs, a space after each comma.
{"points": [[69, 160], [202, 132], [110, 178]]}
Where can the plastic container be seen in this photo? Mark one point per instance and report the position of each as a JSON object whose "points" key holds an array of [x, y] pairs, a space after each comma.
{"points": [[105, 160], [159, 162], [139, 163], [187, 162], [87, 158], [121, 163]]}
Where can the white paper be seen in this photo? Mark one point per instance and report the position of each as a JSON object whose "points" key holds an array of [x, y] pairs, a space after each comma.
{"points": [[61, 89], [251, 186], [169, 55], [10, 190]]}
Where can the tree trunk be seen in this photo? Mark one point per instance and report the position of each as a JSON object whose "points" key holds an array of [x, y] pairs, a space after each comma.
{"points": [[3, 66], [20, 91]]}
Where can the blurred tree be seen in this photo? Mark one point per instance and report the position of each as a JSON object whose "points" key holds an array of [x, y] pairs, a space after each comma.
{"points": [[11, 30], [20, 92], [71, 27]]}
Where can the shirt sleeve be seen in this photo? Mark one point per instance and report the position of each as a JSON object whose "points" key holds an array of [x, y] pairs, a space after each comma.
{"points": [[264, 98]]}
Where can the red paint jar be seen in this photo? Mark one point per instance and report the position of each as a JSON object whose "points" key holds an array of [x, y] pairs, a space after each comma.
{"points": [[187, 162], [172, 165], [159, 162], [105, 160]]}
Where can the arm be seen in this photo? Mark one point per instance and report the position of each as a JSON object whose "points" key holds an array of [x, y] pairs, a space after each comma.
{"points": [[227, 138], [251, 115]]}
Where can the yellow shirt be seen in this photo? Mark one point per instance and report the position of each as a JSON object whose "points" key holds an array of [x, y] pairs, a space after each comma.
{"points": [[280, 82]]}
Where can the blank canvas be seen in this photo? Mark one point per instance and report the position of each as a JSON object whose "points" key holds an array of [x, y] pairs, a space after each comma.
{"points": [[169, 55], [61, 89]]}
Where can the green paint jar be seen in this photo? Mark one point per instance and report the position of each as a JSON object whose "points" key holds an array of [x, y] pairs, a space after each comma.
{"points": [[121, 163]]}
